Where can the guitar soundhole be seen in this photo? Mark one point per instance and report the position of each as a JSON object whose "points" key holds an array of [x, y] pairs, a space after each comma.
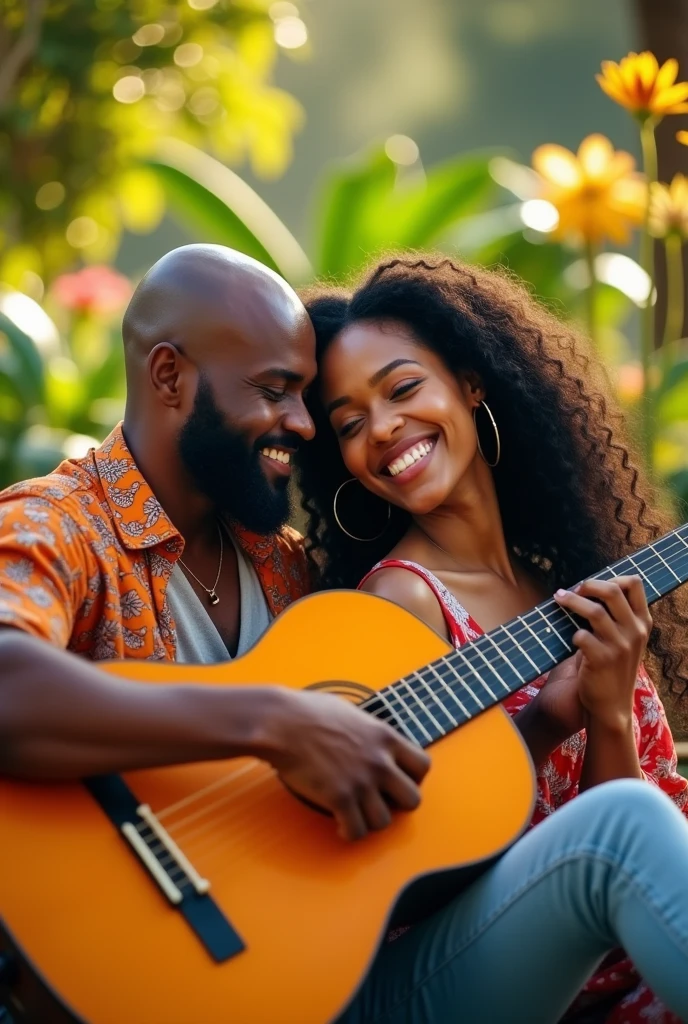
{"points": [[355, 693]]}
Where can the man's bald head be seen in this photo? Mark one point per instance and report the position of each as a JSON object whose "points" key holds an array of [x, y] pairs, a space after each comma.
{"points": [[218, 351], [206, 285]]}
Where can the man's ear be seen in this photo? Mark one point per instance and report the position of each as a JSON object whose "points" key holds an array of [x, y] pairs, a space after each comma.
{"points": [[168, 373]]}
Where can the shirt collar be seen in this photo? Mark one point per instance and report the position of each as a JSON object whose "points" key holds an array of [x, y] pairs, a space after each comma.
{"points": [[138, 517]]}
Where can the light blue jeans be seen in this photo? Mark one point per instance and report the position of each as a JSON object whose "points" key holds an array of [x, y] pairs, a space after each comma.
{"points": [[609, 869]]}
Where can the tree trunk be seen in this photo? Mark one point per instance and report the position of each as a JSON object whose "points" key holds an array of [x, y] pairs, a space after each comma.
{"points": [[663, 29]]}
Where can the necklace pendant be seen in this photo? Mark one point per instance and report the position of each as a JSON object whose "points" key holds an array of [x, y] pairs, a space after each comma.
{"points": [[213, 598]]}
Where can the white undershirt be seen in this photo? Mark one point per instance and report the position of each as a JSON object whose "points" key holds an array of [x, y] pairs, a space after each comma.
{"points": [[198, 640]]}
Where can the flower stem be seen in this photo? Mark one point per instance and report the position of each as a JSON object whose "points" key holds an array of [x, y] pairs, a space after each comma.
{"points": [[649, 146], [591, 290], [673, 329]]}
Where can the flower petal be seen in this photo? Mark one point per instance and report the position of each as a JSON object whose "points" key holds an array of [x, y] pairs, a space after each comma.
{"points": [[666, 76], [682, 137], [621, 165], [668, 99], [618, 93], [648, 69], [594, 154], [612, 72], [557, 165]]}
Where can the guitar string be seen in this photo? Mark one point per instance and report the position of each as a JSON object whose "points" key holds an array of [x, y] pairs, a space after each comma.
{"points": [[250, 834], [220, 842], [237, 794], [265, 778], [523, 633]]}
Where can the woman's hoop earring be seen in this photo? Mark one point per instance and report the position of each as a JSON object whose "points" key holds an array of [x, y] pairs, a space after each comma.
{"points": [[344, 529], [496, 434]]}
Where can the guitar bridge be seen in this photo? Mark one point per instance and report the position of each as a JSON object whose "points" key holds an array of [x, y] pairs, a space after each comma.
{"points": [[153, 860], [166, 865]]}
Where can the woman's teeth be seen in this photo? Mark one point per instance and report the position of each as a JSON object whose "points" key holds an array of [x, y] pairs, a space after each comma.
{"points": [[408, 458], [272, 453]]}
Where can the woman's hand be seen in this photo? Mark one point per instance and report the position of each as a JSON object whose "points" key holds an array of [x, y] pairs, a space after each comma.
{"points": [[611, 651], [558, 703]]}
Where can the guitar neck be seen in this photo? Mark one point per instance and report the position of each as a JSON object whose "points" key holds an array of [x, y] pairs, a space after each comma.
{"points": [[450, 691]]}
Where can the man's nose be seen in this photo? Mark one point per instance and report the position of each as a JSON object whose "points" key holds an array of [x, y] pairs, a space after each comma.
{"points": [[299, 420]]}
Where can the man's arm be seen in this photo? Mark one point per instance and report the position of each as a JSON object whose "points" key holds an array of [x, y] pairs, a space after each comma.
{"points": [[61, 718]]}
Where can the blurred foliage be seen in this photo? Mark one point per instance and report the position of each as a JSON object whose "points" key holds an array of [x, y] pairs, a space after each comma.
{"points": [[371, 204], [57, 398], [113, 111], [88, 88]]}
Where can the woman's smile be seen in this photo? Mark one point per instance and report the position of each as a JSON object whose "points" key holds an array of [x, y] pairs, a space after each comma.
{"points": [[408, 458]]}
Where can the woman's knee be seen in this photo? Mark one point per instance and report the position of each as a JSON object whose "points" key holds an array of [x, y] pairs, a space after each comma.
{"points": [[632, 804]]}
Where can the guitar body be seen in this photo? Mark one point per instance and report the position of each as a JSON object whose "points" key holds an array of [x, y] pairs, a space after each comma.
{"points": [[310, 908]]}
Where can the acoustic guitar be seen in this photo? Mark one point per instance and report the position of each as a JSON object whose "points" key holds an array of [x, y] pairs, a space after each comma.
{"points": [[209, 894]]}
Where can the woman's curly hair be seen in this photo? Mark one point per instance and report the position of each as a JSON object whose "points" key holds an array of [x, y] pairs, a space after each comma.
{"points": [[571, 495]]}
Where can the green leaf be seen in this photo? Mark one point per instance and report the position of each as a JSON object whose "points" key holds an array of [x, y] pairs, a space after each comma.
{"points": [[678, 482], [350, 204], [217, 206], [39, 451], [672, 406], [29, 364], [677, 371], [107, 380], [451, 191]]}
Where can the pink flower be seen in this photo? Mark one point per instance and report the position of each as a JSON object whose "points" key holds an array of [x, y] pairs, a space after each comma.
{"points": [[93, 290]]}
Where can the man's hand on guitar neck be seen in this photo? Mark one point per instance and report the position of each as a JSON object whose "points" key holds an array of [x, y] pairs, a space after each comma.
{"points": [[61, 718]]}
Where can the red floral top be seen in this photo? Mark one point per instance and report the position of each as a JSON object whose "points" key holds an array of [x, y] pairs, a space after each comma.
{"points": [[558, 780]]}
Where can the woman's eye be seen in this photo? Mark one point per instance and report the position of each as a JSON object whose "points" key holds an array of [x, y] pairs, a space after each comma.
{"points": [[348, 428], [403, 389]]}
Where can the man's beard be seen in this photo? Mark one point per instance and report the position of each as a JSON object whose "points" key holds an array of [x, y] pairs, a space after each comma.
{"points": [[226, 467]]}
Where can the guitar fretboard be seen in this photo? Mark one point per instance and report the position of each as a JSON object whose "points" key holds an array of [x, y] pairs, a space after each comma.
{"points": [[448, 692]]}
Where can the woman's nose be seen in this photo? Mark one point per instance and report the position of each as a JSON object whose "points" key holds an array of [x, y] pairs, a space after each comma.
{"points": [[383, 424]]}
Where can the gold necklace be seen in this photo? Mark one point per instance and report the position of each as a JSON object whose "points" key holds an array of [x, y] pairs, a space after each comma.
{"points": [[212, 594]]}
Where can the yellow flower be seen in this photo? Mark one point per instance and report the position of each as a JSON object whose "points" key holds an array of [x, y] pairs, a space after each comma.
{"points": [[682, 137], [596, 192], [669, 208], [641, 86]]}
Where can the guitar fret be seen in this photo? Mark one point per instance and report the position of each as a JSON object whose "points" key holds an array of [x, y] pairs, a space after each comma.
{"points": [[397, 718], [437, 701], [417, 721], [462, 655], [506, 658], [449, 691], [523, 652], [677, 578], [468, 691], [534, 634], [554, 629], [494, 672], [514, 653], [644, 578], [478, 702], [569, 615]]}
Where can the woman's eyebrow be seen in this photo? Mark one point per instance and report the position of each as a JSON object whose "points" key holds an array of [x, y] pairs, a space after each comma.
{"points": [[373, 381], [381, 374]]}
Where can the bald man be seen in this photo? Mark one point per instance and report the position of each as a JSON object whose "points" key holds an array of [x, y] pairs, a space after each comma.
{"points": [[168, 542]]}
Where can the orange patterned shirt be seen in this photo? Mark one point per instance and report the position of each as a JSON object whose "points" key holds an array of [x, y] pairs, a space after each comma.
{"points": [[87, 551]]}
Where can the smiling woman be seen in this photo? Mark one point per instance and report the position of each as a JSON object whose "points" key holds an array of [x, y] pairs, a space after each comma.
{"points": [[486, 468]]}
